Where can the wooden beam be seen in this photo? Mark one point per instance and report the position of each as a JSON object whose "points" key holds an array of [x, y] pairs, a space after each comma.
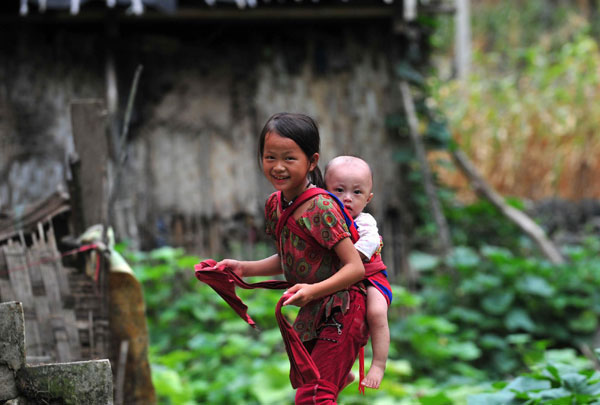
{"points": [[88, 120]]}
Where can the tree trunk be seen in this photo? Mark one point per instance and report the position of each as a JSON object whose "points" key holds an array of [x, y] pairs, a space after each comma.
{"points": [[430, 189]]}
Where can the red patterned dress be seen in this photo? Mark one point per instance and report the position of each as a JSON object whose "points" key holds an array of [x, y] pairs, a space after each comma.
{"points": [[333, 328]]}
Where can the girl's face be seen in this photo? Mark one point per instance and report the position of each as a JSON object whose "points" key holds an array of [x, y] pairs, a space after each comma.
{"points": [[285, 165]]}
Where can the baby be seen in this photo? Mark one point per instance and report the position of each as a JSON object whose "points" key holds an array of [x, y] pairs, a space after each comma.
{"points": [[351, 180]]}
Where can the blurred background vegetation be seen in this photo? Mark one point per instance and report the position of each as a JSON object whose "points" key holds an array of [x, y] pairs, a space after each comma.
{"points": [[492, 323]]}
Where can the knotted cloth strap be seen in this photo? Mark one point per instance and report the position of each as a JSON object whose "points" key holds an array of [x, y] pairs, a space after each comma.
{"points": [[302, 367]]}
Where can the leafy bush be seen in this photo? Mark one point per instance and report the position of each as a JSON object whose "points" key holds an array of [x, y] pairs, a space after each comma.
{"points": [[562, 378], [497, 316], [500, 311]]}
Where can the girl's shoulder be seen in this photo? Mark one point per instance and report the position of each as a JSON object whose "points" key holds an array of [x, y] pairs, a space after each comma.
{"points": [[321, 202], [272, 199], [271, 214], [272, 204]]}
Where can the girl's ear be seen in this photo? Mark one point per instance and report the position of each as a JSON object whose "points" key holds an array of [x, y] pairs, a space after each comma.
{"points": [[370, 198], [314, 161]]}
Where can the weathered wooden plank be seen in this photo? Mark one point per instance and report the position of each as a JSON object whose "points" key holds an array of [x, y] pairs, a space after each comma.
{"points": [[33, 341], [72, 334], [88, 120], [42, 312], [61, 273], [6, 291], [33, 268], [63, 352], [18, 274], [55, 204], [58, 291], [50, 280]]}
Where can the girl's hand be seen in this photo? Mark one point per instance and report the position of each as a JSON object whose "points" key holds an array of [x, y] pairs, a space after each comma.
{"points": [[302, 294], [234, 265]]}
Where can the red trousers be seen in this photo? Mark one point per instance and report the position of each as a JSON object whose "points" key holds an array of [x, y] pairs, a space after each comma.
{"points": [[335, 351]]}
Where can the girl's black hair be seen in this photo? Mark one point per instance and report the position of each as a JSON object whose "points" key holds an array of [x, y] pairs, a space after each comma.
{"points": [[299, 128]]}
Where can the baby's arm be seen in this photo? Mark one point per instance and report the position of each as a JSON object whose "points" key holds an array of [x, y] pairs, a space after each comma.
{"points": [[369, 239]]}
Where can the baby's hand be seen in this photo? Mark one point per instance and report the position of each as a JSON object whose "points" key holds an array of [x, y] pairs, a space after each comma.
{"points": [[302, 294], [234, 265]]}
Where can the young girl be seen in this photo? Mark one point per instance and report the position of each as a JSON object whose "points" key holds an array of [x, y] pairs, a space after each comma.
{"points": [[326, 274]]}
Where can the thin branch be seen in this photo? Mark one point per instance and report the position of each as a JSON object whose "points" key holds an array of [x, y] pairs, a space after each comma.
{"points": [[527, 225]]}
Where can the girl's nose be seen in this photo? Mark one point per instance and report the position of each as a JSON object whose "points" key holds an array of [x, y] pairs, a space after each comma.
{"points": [[278, 166], [347, 197]]}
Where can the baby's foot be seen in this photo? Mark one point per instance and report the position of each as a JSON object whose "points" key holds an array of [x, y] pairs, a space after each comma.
{"points": [[373, 377], [349, 379]]}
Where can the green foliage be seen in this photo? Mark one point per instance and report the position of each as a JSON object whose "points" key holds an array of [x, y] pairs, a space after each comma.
{"points": [[500, 311], [497, 316], [479, 224], [561, 378]]}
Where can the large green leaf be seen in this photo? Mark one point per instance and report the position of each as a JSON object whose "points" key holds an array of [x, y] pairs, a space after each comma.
{"points": [[420, 261], [524, 384], [463, 257], [497, 398], [498, 302], [437, 399], [536, 286], [518, 319]]}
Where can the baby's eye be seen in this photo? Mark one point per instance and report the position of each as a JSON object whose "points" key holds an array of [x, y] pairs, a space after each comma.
{"points": [[357, 192], [339, 190]]}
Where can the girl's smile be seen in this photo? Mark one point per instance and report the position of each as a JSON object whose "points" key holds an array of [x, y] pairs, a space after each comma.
{"points": [[285, 165]]}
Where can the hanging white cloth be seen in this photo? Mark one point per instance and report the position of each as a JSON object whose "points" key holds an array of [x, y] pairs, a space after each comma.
{"points": [[24, 9], [75, 7], [410, 10], [137, 7]]}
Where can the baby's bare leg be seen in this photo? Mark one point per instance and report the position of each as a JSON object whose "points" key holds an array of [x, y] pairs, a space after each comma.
{"points": [[380, 336]]}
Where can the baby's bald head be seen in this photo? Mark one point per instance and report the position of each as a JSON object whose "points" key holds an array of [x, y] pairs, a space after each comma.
{"points": [[342, 164]]}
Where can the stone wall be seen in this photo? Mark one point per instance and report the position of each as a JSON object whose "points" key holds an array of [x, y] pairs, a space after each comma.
{"points": [[84, 382]]}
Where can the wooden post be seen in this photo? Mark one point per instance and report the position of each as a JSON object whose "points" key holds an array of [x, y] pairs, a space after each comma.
{"points": [[120, 374], [463, 38], [88, 120]]}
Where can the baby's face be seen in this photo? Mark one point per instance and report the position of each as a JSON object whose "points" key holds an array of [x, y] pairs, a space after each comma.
{"points": [[352, 184]]}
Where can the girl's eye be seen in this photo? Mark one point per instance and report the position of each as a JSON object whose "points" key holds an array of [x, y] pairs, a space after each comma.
{"points": [[357, 192], [290, 158], [339, 190], [268, 157]]}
